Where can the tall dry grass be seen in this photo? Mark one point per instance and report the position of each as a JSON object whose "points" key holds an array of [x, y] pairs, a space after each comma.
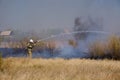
{"points": [[108, 49], [60, 69], [114, 47], [98, 49]]}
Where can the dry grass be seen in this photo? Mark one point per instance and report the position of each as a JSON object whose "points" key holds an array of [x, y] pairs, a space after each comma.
{"points": [[60, 69], [109, 49], [114, 47], [98, 49]]}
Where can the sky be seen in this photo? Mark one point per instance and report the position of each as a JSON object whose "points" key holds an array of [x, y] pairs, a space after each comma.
{"points": [[38, 15]]}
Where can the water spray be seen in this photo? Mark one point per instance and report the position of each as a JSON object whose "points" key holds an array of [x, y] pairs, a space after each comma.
{"points": [[75, 32]]}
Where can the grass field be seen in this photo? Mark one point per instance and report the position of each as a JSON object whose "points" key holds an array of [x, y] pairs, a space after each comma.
{"points": [[59, 69]]}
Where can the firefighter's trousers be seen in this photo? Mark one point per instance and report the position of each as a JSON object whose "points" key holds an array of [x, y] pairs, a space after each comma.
{"points": [[29, 53]]}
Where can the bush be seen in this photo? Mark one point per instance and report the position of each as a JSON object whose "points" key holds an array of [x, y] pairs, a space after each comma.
{"points": [[97, 50], [109, 49], [72, 43], [114, 47]]}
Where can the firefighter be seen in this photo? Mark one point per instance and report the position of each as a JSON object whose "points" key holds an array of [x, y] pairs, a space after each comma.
{"points": [[30, 46]]}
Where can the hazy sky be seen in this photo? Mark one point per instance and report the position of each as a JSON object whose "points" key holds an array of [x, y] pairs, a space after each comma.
{"points": [[42, 14]]}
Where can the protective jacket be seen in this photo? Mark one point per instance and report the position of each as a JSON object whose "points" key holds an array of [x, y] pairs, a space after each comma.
{"points": [[30, 45]]}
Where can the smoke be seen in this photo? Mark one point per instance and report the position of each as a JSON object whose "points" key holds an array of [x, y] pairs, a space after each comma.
{"points": [[63, 46], [79, 50], [108, 11]]}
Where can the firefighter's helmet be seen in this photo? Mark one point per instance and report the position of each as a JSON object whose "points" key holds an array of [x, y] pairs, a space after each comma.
{"points": [[31, 40]]}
